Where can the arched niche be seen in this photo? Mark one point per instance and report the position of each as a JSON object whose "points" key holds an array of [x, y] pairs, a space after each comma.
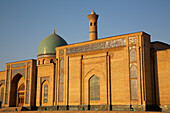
{"points": [[44, 97], [103, 87]]}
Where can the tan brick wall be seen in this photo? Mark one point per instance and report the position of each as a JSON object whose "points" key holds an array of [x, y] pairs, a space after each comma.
{"points": [[119, 77], [45, 70], [112, 67], [163, 67]]}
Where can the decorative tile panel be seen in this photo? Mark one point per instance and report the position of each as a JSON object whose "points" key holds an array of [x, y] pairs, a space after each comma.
{"points": [[6, 98], [132, 55], [133, 72], [28, 73], [134, 91], [16, 71], [60, 95], [27, 98], [61, 77], [29, 64], [7, 86], [132, 40], [94, 87], [61, 52], [61, 59], [8, 74], [97, 46], [28, 84], [18, 65], [44, 78]]}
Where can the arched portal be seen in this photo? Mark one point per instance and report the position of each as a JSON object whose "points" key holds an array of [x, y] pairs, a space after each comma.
{"points": [[15, 86]]}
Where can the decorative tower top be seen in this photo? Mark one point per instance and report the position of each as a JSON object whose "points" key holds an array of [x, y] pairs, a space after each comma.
{"points": [[93, 12], [54, 31], [93, 25]]}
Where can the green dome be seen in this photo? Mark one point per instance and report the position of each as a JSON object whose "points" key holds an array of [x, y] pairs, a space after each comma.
{"points": [[47, 45]]}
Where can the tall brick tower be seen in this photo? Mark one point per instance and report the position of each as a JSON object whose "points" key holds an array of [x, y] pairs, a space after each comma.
{"points": [[93, 25]]}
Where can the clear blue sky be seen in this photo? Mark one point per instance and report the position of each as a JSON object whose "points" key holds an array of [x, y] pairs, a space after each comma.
{"points": [[24, 23]]}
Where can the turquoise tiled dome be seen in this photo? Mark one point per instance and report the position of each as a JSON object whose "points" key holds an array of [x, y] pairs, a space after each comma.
{"points": [[47, 45]]}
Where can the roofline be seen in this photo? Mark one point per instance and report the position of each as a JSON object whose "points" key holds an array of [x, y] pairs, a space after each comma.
{"points": [[21, 61], [160, 42], [3, 71], [104, 38]]}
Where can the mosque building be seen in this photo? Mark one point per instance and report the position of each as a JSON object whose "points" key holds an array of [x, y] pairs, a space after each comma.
{"points": [[115, 73]]}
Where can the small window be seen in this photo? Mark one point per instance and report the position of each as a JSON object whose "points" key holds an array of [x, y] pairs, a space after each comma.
{"points": [[91, 24], [39, 62], [94, 23], [51, 61], [44, 61]]}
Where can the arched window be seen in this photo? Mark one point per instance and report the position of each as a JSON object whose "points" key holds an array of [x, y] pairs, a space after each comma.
{"points": [[45, 93], [51, 61], [43, 61], [94, 23], [91, 24], [94, 88], [2, 94]]}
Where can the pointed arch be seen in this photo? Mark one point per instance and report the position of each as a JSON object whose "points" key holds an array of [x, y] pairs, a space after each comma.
{"points": [[102, 99], [14, 87], [94, 71], [44, 97]]}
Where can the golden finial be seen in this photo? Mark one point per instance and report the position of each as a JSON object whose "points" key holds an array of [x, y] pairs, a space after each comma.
{"points": [[93, 12], [54, 31]]}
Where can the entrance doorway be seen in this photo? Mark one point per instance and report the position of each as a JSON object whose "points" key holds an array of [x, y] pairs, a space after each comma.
{"points": [[21, 95]]}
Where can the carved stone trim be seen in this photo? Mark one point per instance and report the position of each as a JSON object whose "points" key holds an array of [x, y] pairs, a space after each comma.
{"points": [[2, 82], [18, 65], [97, 46], [29, 64], [44, 78], [16, 71], [132, 40], [61, 62], [46, 54], [61, 52]]}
